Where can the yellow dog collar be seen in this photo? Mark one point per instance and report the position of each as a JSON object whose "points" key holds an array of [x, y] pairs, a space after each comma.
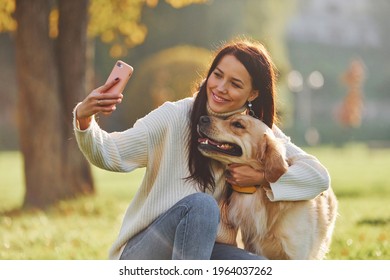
{"points": [[247, 190]]}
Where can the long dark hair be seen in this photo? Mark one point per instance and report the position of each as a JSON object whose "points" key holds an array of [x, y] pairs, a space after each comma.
{"points": [[258, 63]]}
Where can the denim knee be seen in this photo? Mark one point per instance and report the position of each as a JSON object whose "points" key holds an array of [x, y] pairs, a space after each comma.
{"points": [[206, 205]]}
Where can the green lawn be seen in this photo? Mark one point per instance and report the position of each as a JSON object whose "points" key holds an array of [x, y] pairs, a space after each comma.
{"points": [[360, 178], [86, 227]]}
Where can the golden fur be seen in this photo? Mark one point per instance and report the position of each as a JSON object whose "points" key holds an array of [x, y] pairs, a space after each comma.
{"points": [[276, 230]]}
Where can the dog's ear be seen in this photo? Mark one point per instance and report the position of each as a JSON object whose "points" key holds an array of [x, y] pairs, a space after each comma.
{"points": [[272, 159]]}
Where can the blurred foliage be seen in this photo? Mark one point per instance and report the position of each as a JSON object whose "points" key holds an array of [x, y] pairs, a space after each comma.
{"points": [[116, 22], [182, 3], [53, 23], [7, 22]]}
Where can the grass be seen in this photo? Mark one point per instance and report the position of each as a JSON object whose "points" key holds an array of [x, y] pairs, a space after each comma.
{"points": [[76, 229], [86, 227], [361, 183]]}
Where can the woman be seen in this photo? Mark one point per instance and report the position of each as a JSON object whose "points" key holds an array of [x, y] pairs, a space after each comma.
{"points": [[175, 213]]}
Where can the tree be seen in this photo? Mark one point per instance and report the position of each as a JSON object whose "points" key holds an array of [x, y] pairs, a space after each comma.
{"points": [[50, 81], [51, 56]]}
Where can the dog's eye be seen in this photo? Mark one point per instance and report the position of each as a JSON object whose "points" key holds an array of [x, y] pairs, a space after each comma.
{"points": [[238, 125]]}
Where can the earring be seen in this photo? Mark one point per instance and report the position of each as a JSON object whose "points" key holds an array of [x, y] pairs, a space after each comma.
{"points": [[251, 112]]}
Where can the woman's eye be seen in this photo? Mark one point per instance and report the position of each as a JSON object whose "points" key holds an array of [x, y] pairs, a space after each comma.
{"points": [[238, 125], [218, 75], [236, 85]]}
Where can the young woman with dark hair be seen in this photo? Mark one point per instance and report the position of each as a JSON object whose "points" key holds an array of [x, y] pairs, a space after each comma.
{"points": [[257, 62], [176, 212]]}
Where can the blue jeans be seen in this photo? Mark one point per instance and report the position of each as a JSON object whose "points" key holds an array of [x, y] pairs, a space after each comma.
{"points": [[187, 231]]}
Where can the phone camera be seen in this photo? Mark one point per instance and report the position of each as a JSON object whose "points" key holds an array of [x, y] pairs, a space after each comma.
{"points": [[119, 64]]}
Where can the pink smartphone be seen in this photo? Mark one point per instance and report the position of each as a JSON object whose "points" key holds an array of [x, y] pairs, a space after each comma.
{"points": [[122, 71]]}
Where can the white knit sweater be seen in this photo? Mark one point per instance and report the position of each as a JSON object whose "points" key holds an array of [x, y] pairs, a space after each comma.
{"points": [[159, 142]]}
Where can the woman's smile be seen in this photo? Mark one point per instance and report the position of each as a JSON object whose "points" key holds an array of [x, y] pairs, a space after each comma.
{"points": [[218, 99]]}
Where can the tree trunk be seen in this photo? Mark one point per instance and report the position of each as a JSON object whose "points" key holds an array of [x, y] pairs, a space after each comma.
{"points": [[72, 59], [50, 83], [39, 108]]}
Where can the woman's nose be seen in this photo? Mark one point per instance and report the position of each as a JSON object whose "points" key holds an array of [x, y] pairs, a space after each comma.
{"points": [[222, 87]]}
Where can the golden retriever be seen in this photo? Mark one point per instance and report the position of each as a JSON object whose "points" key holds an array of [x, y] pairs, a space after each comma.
{"points": [[276, 230]]}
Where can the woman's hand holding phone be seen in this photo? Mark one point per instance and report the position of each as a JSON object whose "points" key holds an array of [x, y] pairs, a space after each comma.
{"points": [[104, 98]]}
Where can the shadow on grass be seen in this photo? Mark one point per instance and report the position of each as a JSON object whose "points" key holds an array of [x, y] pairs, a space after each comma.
{"points": [[16, 212], [374, 222], [83, 206]]}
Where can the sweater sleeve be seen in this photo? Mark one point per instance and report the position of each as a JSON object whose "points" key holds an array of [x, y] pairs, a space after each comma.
{"points": [[116, 151], [305, 178]]}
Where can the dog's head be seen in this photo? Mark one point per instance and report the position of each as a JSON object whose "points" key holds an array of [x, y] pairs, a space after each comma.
{"points": [[242, 139]]}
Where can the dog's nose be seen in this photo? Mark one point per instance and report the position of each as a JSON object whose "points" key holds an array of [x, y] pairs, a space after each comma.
{"points": [[204, 120]]}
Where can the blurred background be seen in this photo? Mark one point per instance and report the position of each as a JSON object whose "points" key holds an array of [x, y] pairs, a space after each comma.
{"points": [[332, 59], [317, 45]]}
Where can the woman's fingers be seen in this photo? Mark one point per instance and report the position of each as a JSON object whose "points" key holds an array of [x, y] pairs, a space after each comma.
{"points": [[99, 102], [243, 175], [106, 87], [105, 101], [107, 106]]}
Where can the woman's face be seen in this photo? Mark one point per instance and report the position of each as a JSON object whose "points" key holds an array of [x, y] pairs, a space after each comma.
{"points": [[229, 86]]}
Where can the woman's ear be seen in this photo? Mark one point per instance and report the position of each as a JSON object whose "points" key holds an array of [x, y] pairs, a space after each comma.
{"points": [[253, 95]]}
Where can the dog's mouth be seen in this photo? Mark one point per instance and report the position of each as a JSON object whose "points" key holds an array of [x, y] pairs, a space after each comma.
{"points": [[208, 144]]}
